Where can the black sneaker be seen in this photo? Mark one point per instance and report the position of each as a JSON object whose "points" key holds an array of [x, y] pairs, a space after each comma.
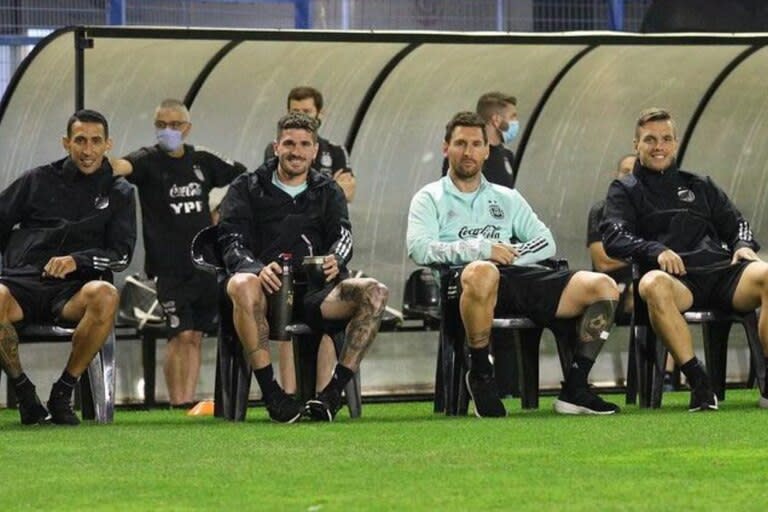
{"points": [[325, 405], [61, 411], [485, 395], [702, 399], [33, 412], [283, 408], [582, 400]]}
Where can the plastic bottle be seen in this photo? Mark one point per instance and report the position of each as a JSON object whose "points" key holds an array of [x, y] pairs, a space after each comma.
{"points": [[281, 302]]}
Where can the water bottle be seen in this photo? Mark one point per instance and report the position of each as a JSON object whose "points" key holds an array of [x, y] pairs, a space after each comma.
{"points": [[281, 302]]}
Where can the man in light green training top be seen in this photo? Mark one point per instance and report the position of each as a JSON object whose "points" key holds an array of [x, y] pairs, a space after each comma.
{"points": [[462, 219]]}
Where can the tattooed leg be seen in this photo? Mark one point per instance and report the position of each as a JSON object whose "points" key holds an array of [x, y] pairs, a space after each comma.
{"points": [[594, 327], [249, 317], [368, 298], [9, 350], [479, 291]]}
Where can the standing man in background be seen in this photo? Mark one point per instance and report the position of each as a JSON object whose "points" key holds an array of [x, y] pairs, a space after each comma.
{"points": [[333, 161], [174, 180]]}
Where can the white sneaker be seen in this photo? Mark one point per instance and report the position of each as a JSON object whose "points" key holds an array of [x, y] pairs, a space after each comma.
{"points": [[763, 402]]}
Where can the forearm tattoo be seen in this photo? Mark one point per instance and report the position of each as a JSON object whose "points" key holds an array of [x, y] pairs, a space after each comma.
{"points": [[478, 339], [595, 325], [9, 350], [364, 324]]}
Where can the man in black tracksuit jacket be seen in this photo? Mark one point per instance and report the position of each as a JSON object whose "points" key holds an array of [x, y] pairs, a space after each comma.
{"points": [[285, 207], [63, 228], [699, 246]]}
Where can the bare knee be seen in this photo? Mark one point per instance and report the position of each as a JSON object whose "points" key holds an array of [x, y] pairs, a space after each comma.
{"points": [[100, 297], [602, 287], [245, 290], [480, 280], [187, 338], [6, 300], [377, 294], [656, 287]]}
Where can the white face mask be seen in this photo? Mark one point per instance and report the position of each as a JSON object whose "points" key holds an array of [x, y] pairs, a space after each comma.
{"points": [[168, 139]]}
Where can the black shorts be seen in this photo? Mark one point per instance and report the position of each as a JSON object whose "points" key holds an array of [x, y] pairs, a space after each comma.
{"points": [[189, 302], [531, 291], [308, 310], [714, 289], [41, 300]]}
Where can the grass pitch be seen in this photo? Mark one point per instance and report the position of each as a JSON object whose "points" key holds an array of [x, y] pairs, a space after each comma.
{"points": [[396, 457]]}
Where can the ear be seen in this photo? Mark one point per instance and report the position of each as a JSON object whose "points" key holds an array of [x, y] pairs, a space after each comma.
{"points": [[186, 130], [65, 143], [109, 145], [445, 149]]}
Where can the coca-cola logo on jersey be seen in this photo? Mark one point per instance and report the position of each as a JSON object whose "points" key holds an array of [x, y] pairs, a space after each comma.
{"points": [[490, 231], [191, 190]]}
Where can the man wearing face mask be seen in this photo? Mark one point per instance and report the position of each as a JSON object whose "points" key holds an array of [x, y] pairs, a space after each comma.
{"points": [[174, 180], [499, 111]]}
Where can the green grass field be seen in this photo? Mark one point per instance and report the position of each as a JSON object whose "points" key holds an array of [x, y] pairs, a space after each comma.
{"points": [[397, 457]]}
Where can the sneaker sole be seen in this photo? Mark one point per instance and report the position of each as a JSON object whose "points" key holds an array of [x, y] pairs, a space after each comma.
{"points": [[705, 407], [292, 420], [318, 411], [474, 403], [42, 421], [563, 407]]}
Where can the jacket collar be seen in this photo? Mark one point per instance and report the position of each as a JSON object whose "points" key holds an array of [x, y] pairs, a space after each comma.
{"points": [[268, 168], [451, 188]]}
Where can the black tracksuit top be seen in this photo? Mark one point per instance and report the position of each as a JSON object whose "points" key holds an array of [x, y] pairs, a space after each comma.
{"points": [[56, 210], [260, 221], [648, 212]]}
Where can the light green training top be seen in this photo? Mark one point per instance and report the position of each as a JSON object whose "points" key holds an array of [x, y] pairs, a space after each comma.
{"points": [[447, 226]]}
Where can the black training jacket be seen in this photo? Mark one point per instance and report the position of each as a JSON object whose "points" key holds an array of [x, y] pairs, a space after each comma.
{"points": [[56, 210], [260, 221], [648, 212]]}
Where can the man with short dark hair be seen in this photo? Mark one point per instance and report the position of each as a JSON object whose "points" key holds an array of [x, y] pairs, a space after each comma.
{"points": [[331, 159], [174, 180], [700, 248], [462, 219], [63, 228], [499, 111], [286, 207]]}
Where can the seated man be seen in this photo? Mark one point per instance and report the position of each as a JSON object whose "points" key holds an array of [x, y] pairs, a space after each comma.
{"points": [[462, 219], [619, 270], [63, 226], [700, 247], [287, 207]]}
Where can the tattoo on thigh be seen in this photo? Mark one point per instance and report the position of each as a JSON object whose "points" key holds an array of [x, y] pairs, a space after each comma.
{"points": [[9, 350], [597, 320], [349, 292]]}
